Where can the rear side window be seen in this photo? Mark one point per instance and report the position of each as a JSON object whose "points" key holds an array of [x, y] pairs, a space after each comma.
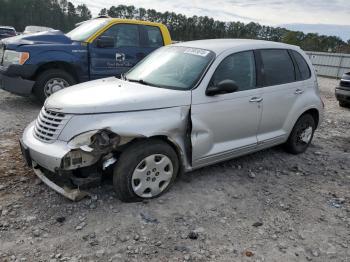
{"points": [[239, 67], [278, 67], [153, 36], [303, 67]]}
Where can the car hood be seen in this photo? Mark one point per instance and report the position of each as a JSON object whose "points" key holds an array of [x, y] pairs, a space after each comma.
{"points": [[114, 95], [50, 37]]}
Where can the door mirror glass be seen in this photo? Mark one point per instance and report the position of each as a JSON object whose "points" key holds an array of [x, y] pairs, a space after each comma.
{"points": [[223, 87], [105, 42]]}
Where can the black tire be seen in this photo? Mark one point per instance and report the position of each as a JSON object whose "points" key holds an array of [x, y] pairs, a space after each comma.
{"points": [[294, 145], [343, 104], [45, 77], [131, 158]]}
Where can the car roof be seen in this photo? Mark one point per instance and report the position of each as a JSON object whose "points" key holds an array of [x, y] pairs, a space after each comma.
{"points": [[7, 27], [220, 45], [131, 21]]}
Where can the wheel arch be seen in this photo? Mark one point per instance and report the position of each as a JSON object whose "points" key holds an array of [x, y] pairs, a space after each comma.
{"points": [[181, 155], [173, 144], [314, 113], [65, 66]]}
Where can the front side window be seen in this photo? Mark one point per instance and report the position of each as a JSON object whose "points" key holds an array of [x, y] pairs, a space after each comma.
{"points": [[278, 67], [153, 36], [240, 68], [124, 35], [305, 72], [172, 67]]}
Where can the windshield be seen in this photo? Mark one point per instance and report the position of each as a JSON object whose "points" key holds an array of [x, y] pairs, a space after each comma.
{"points": [[172, 67], [87, 29]]}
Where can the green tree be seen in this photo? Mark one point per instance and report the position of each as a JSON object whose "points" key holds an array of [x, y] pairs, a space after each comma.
{"points": [[83, 12], [20, 13]]}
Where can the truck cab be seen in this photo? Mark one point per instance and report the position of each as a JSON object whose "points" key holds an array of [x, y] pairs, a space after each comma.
{"points": [[43, 63]]}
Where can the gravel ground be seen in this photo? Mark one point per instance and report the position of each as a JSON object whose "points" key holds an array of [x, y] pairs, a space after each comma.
{"points": [[268, 206]]}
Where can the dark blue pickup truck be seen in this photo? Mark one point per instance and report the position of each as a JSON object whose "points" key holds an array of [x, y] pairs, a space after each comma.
{"points": [[44, 63]]}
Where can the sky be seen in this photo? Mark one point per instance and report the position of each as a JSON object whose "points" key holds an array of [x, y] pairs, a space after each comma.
{"points": [[321, 15]]}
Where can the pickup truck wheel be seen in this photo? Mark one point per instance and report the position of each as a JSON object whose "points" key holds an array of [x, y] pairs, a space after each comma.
{"points": [[301, 135], [145, 170], [51, 81]]}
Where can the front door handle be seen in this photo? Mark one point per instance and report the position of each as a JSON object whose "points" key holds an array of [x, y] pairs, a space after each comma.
{"points": [[299, 91], [256, 99]]}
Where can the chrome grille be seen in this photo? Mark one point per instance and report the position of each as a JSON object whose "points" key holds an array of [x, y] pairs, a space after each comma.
{"points": [[49, 125]]}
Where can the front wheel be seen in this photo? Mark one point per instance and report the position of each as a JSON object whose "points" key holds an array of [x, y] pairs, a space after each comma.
{"points": [[301, 135], [51, 81], [145, 170]]}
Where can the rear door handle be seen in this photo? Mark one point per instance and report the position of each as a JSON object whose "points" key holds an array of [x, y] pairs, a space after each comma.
{"points": [[299, 91], [256, 99]]}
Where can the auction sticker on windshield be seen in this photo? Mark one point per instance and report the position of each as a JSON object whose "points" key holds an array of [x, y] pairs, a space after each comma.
{"points": [[195, 51]]}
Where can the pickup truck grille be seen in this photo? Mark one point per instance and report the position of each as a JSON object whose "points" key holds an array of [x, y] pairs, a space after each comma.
{"points": [[49, 125]]}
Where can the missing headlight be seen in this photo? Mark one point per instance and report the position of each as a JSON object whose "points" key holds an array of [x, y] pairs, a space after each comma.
{"points": [[95, 140], [104, 139], [77, 159]]}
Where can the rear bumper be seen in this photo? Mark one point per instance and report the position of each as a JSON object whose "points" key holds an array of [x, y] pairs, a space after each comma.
{"points": [[14, 83], [342, 94]]}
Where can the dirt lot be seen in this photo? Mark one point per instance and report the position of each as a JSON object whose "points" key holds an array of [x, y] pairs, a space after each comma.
{"points": [[269, 206]]}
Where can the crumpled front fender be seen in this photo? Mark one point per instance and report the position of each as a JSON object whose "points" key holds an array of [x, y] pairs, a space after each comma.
{"points": [[171, 123]]}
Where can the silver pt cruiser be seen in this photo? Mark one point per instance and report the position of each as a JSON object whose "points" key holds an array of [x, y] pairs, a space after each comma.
{"points": [[183, 107]]}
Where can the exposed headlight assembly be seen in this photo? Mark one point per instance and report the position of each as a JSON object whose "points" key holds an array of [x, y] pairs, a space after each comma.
{"points": [[94, 140], [15, 58]]}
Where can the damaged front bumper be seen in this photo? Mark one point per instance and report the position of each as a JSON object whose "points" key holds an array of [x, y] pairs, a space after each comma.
{"points": [[53, 164], [74, 194], [47, 155]]}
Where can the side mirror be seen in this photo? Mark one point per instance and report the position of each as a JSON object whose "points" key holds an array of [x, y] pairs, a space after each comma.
{"points": [[105, 42], [223, 87]]}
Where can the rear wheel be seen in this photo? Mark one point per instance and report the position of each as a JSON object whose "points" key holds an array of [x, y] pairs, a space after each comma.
{"points": [[51, 81], [301, 135], [145, 170]]}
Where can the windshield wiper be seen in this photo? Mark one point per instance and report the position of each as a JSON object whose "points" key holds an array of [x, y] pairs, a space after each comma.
{"points": [[142, 82]]}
